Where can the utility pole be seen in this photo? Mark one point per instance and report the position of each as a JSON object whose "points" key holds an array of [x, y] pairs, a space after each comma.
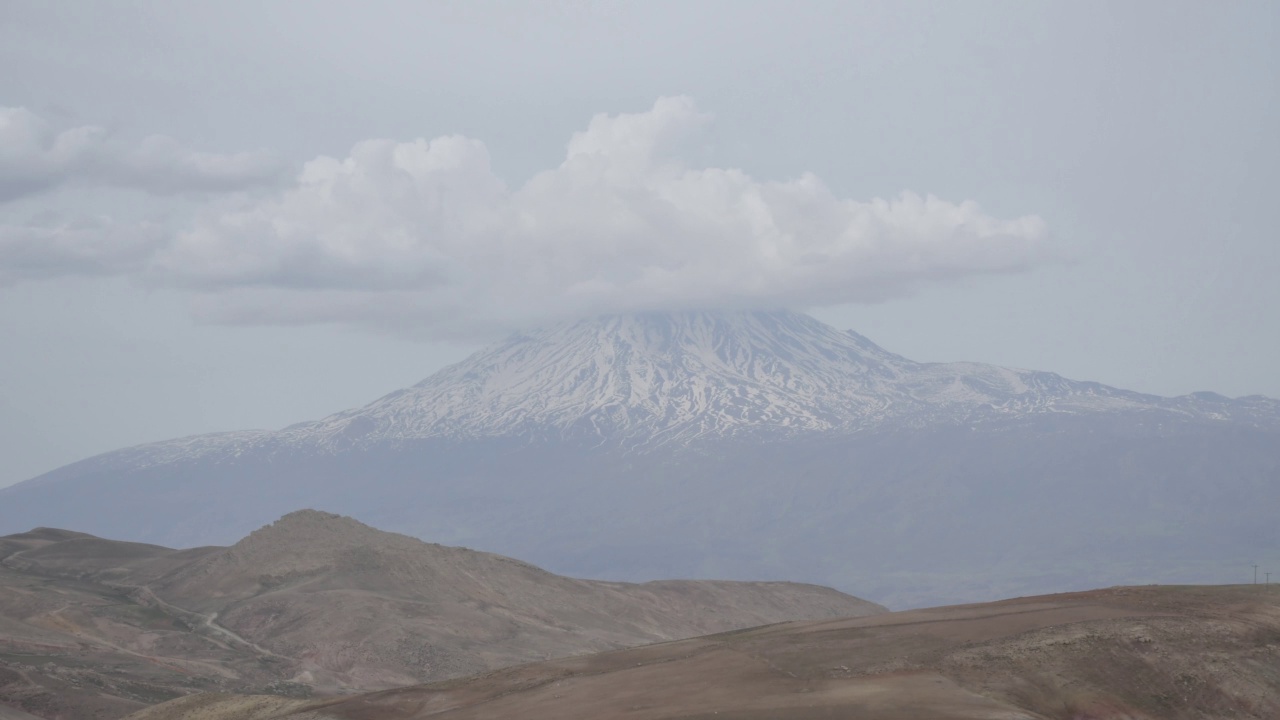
{"points": [[1255, 574], [1268, 579]]}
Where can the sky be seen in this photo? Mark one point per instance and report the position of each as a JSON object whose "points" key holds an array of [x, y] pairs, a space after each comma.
{"points": [[230, 215]]}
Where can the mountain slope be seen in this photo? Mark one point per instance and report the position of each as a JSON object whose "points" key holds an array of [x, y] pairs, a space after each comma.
{"points": [[639, 381], [746, 445], [1174, 653], [319, 602], [658, 378]]}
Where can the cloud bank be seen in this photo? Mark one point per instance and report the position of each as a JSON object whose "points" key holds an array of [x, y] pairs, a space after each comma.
{"points": [[423, 237], [35, 157], [51, 247]]}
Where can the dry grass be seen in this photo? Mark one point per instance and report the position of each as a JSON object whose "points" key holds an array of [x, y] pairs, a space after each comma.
{"points": [[1150, 653], [317, 603]]}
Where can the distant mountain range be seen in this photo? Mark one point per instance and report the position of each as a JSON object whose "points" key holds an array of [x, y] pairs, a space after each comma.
{"points": [[736, 444]]}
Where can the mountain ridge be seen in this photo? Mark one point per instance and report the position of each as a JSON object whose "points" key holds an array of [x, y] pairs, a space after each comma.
{"points": [[1122, 653], [653, 378], [319, 601], [746, 445], [648, 379]]}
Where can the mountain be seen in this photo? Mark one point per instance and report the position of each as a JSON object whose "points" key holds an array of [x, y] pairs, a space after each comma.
{"points": [[321, 603], [1175, 653], [747, 445], [654, 379]]}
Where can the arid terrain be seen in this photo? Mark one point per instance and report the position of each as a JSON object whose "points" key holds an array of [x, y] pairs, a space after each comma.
{"points": [[318, 604], [1134, 653]]}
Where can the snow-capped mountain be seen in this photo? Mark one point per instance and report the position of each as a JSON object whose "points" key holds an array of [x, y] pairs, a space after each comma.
{"points": [[649, 379], [749, 445]]}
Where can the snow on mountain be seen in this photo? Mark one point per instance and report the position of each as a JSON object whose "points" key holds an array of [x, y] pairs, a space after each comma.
{"points": [[650, 379], [742, 445], [675, 377]]}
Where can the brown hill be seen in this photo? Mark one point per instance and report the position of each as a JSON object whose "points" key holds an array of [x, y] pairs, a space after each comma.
{"points": [[319, 603], [1167, 653], [8, 713]]}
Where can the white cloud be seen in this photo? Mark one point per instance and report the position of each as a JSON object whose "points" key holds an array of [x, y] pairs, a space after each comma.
{"points": [[422, 235], [35, 157]]}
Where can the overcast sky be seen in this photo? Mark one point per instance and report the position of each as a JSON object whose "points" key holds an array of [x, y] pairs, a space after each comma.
{"points": [[229, 215]]}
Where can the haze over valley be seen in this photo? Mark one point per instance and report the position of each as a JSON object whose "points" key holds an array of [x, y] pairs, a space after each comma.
{"points": [[739, 445]]}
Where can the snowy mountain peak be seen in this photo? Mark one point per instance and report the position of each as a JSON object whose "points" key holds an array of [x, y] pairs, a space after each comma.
{"points": [[657, 376], [654, 378]]}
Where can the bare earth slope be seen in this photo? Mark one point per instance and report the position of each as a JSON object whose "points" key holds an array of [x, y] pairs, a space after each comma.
{"points": [[320, 603], [1146, 653]]}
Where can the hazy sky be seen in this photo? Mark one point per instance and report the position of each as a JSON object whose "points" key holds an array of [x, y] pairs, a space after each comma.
{"points": [[228, 215]]}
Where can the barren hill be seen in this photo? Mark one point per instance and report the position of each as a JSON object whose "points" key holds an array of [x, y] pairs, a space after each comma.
{"points": [[317, 602], [1138, 653]]}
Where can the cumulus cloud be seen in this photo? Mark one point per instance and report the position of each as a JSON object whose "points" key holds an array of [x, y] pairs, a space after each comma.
{"points": [[423, 235], [34, 157]]}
